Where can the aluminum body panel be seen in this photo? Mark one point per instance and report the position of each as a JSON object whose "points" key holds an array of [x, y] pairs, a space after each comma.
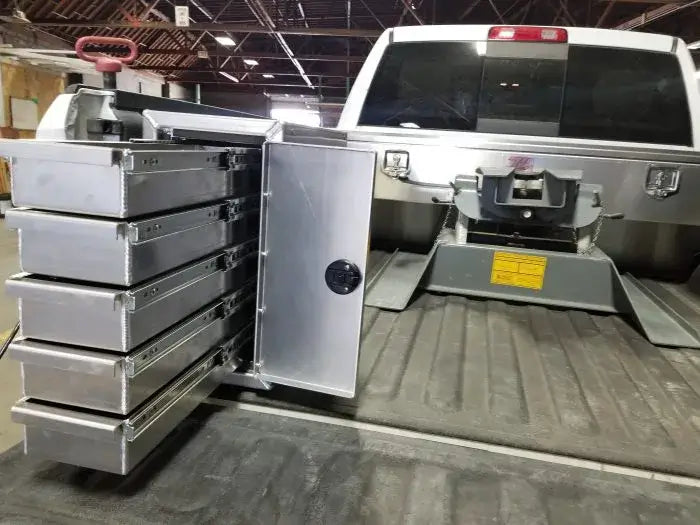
{"points": [[165, 124], [114, 443], [316, 210], [436, 159], [65, 177], [120, 319], [125, 253], [115, 383]]}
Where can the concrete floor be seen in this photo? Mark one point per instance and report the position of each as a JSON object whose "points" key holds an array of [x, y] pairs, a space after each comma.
{"points": [[10, 433]]}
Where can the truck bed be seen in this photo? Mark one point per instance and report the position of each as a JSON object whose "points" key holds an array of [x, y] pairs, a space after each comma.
{"points": [[565, 382], [227, 465], [570, 382]]}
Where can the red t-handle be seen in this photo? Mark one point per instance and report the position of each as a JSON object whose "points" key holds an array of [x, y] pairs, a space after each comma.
{"points": [[107, 64]]}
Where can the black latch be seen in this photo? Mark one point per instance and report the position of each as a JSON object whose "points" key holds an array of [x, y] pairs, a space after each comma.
{"points": [[343, 277]]}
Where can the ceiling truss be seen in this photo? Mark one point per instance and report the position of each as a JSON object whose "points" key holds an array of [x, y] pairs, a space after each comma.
{"points": [[315, 45]]}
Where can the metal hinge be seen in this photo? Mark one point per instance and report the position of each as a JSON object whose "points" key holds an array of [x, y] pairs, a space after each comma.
{"points": [[233, 303], [231, 348], [237, 207], [234, 256], [242, 157]]}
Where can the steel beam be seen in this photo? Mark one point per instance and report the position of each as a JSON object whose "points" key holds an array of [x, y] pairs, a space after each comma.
{"points": [[376, 18], [655, 14], [641, 1], [306, 88], [195, 69], [213, 54], [605, 14], [411, 10], [259, 11], [469, 9], [209, 26], [498, 13]]}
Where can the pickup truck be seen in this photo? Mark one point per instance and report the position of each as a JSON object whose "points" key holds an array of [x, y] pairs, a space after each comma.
{"points": [[545, 398]]}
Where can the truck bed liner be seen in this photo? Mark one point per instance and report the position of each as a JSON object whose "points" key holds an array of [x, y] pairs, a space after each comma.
{"points": [[226, 465], [570, 382]]}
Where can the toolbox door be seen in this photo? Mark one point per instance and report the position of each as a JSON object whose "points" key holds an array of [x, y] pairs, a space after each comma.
{"points": [[314, 239]]}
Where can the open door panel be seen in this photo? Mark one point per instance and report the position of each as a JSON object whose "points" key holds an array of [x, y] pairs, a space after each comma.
{"points": [[314, 241]]}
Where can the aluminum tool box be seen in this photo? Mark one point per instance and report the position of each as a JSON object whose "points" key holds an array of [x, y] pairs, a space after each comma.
{"points": [[119, 319], [116, 383], [129, 252], [116, 443], [127, 179], [98, 311]]}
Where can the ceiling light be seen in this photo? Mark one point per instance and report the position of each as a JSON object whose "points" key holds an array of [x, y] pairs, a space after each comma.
{"points": [[225, 40], [229, 76], [268, 75], [250, 62]]}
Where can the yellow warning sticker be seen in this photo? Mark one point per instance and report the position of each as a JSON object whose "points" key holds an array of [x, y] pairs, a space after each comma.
{"points": [[514, 269]]}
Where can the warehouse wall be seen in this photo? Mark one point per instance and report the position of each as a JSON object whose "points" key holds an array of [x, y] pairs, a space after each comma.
{"points": [[27, 83], [127, 80], [180, 92]]}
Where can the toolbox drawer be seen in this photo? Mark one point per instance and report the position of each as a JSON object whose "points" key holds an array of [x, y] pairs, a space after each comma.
{"points": [[127, 179], [126, 253], [117, 443], [117, 319], [116, 383]]}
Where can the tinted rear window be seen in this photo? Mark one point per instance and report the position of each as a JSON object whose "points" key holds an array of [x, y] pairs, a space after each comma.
{"points": [[597, 93], [522, 89], [624, 94], [428, 86]]}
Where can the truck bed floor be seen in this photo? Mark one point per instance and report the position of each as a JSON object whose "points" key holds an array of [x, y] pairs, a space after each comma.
{"points": [[570, 382], [227, 465]]}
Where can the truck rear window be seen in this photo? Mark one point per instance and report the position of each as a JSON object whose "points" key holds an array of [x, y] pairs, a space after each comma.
{"points": [[596, 93]]}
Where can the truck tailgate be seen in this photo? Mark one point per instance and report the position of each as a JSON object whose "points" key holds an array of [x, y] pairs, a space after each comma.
{"points": [[570, 382], [226, 465]]}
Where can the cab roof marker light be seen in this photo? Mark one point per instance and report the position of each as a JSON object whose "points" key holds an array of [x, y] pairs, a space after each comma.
{"points": [[529, 34]]}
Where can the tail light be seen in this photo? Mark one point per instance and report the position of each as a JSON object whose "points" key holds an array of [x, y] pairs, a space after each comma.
{"points": [[529, 34]]}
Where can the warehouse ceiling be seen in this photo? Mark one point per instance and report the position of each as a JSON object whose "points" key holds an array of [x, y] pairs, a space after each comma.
{"points": [[312, 46]]}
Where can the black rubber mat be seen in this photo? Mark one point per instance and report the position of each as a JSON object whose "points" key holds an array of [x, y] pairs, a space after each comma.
{"points": [[570, 382], [228, 466]]}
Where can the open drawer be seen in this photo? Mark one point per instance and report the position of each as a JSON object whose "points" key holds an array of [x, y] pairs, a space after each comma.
{"points": [[119, 383], [126, 253], [118, 443], [127, 179], [119, 320]]}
